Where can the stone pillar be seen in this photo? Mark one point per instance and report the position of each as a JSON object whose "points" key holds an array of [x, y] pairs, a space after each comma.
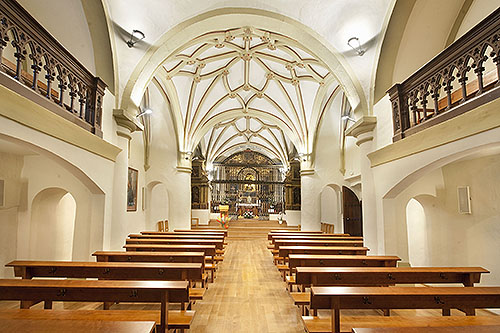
{"points": [[180, 201], [373, 234], [126, 124], [310, 197]]}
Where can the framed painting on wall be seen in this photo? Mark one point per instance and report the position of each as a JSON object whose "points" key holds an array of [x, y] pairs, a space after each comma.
{"points": [[132, 190]]}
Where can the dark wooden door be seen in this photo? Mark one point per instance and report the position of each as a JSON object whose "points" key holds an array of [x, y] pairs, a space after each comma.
{"points": [[353, 222]]}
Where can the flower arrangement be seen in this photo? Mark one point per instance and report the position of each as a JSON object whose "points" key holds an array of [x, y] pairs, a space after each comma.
{"points": [[224, 221], [248, 214]]}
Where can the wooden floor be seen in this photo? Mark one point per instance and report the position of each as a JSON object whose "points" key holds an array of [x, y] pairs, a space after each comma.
{"points": [[248, 294]]}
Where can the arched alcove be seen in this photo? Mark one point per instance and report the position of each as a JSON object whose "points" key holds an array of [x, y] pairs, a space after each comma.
{"points": [[418, 246], [53, 213], [330, 208], [158, 204]]}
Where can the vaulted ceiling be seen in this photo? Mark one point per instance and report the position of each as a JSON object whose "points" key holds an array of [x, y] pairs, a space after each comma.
{"points": [[246, 88]]}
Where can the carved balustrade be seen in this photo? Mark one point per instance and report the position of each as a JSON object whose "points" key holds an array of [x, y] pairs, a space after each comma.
{"points": [[43, 65], [459, 79]]}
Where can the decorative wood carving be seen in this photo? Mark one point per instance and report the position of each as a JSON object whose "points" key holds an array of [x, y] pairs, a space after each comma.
{"points": [[51, 62], [426, 96]]}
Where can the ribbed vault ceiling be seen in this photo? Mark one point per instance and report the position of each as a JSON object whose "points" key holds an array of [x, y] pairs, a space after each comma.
{"points": [[246, 88]]}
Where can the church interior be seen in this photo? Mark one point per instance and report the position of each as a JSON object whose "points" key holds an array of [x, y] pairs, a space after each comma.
{"points": [[250, 166]]}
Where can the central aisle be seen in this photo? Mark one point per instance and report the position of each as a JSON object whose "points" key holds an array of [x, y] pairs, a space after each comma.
{"points": [[248, 294]]}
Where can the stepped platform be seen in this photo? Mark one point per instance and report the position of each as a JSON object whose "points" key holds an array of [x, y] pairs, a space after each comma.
{"points": [[248, 228]]}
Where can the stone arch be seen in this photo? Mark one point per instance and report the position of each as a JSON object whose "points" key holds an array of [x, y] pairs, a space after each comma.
{"points": [[331, 206], [418, 236], [224, 18], [53, 219], [157, 207]]}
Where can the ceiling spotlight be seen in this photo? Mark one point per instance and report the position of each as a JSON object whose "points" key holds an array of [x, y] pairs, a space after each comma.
{"points": [[147, 111], [354, 43], [135, 37]]}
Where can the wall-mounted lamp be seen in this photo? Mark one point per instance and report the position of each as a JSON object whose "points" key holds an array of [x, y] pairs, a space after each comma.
{"points": [[135, 37], [348, 118], [147, 111], [354, 43]]}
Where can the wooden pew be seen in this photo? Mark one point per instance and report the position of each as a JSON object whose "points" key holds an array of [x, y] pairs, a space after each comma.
{"points": [[176, 236], [121, 256], [444, 298], [177, 319], [98, 291], [203, 230], [75, 326], [285, 251], [323, 325], [328, 260], [324, 243], [297, 233], [449, 329], [274, 231], [156, 233], [379, 276], [316, 237], [208, 250], [219, 243], [113, 271]]}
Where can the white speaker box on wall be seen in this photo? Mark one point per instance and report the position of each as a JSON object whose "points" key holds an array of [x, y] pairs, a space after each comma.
{"points": [[464, 200]]}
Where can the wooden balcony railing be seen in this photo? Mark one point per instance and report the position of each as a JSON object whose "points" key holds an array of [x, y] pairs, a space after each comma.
{"points": [[459, 79], [32, 57]]}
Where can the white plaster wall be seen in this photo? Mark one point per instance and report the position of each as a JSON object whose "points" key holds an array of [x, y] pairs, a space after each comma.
{"points": [[163, 163], [453, 239], [334, 22], [91, 171], [52, 225], [39, 174], [65, 20], [10, 171], [157, 206], [422, 41], [329, 207], [478, 10], [202, 214], [383, 132], [292, 217], [418, 247]]}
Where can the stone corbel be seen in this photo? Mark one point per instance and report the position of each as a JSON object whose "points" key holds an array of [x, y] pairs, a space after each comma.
{"points": [[127, 119], [362, 129], [127, 123]]}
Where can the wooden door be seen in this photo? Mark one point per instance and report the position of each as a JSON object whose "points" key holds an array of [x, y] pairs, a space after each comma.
{"points": [[353, 221]]}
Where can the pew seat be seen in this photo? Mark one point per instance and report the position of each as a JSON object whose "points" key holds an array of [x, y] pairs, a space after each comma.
{"points": [[196, 294], [448, 329], [314, 324], [75, 326], [177, 319]]}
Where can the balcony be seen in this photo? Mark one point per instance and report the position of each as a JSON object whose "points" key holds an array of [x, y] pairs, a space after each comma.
{"points": [[459, 79], [36, 66]]}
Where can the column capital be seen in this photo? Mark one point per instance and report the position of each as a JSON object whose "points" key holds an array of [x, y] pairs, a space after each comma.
{"points": [[184, 163], [306, 164], [362, 129], [127, 119]]}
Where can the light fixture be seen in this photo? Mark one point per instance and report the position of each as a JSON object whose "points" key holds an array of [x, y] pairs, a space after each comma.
{"points": [[147, 111], [348, 118], [135, 37], [354, 43]]}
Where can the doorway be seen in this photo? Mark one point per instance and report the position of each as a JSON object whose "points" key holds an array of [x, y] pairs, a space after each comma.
{"points": [[353, 221]]}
